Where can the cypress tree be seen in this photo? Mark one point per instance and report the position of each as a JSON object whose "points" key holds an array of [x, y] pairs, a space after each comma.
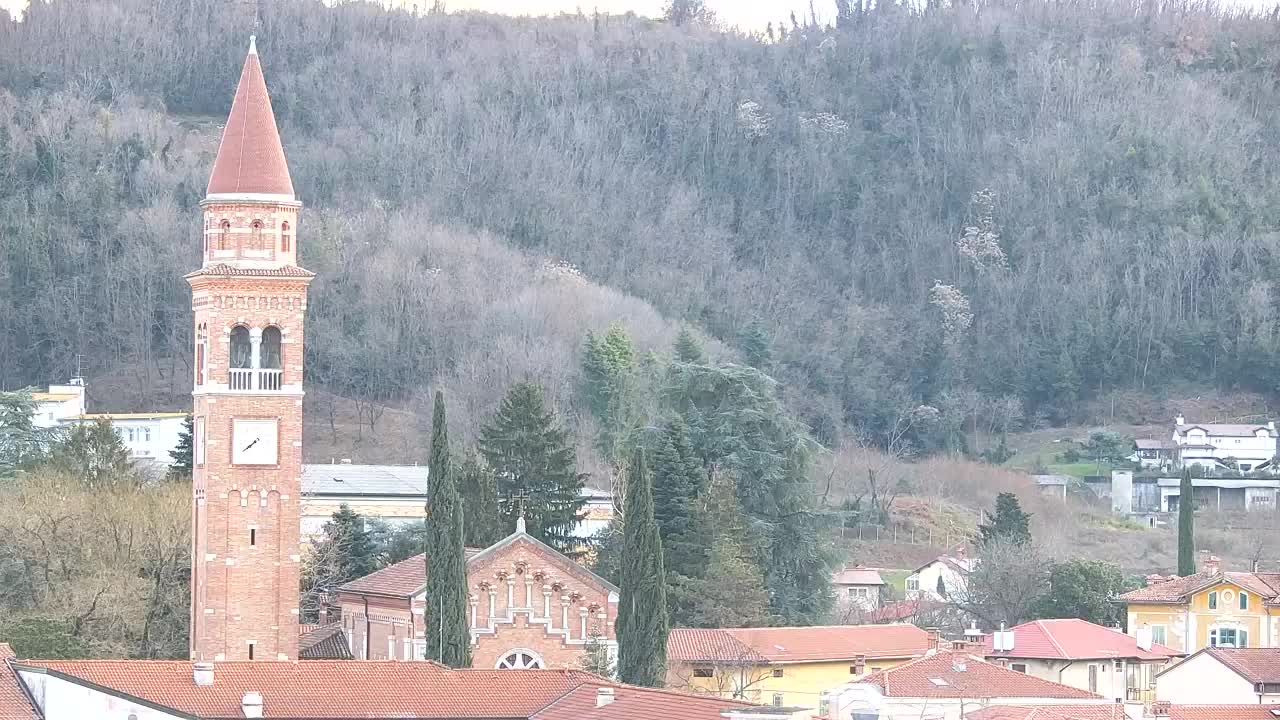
{"points": [[1186, 526], [445, 619], [530, 454], [481, 518], [642, 624]]}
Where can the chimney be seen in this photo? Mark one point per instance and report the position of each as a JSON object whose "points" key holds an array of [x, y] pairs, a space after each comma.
{"points": [[1211, 565], [324, 608], [251, 705], [604, 696], [202, 673], [1160, 709], [1179, 420], [933, 638], [958, 664]]}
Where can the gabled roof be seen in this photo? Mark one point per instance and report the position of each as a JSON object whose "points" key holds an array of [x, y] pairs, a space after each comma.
{"points": [[1108, 711], [250, 157], [633, 703], [1224, 712], [325, 642], [333, 689], [857, 576], [401, 580], [938, 676], [1257, 665], [1264, 585], [1224, 429], [796, 644], [962, 565], [1075, 639], [379, 480], [409, 577], [14, 703]]}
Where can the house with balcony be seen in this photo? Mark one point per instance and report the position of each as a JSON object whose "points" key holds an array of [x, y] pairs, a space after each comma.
{"points": [[1212, 608], [1245, 447], [1078, 653]]}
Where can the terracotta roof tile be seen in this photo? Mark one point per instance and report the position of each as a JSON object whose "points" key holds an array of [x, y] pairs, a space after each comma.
{"points": [[634, 703], [250, 157], [796, 644], [223, 270], [1224, 712], [857, 576], [1265, 585], [1107, 711], [403, 579], [1257, 665], [334, 689], [324, 642], [1074, 639], [937, 676], [14, 704]]}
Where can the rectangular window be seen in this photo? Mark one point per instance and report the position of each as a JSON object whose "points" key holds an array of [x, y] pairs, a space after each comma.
{"points": [[1158, 634], [824, 706], [913, 583], [777, 672], [1019, 667], [1228, 637], [253, 537], [198, 431], [146, 434], [250, 651], [1213, 601], [702, 672], [1244, 601], [875, 669], [1093, 678], [777, 699]]}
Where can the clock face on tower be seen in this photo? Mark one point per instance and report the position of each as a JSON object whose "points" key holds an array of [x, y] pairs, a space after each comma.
{"points": [[254, 442]]}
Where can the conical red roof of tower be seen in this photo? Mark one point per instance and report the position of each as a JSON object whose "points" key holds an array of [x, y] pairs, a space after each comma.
{"points": [[250, 158]]}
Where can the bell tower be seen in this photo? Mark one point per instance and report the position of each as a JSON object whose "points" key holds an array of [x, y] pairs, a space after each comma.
{"points": [[249, 299]]}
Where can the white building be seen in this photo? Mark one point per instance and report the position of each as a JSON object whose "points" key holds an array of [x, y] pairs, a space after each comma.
{"points": [[857, 587], [150, 437], [943, 577], [1223, 676], [60, 404], [1246, 446]]}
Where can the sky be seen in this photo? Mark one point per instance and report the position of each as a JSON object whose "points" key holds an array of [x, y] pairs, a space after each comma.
{"points": [[747, 14]]}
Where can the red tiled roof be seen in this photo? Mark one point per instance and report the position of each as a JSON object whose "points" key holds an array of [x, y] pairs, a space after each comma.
{"points": [[1074, 639], [223, 270], [633, 703], [710, 646], [901, 610], [14, 704], [937, 676], [401, 580], [1223, 712], [1264, 585], [324, 642], [857, 576], [250, 157], [333, 689], [797, 644], [1107, 711], [1257, 665]]}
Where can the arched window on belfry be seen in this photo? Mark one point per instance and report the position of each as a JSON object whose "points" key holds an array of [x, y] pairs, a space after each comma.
{"points": [[270, 348], [256, 243], [284, 237], [241, 348], [224, 237]]}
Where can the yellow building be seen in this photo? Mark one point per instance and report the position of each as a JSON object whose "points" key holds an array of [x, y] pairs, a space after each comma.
{"points": [[787, 666], [1209, 609]]}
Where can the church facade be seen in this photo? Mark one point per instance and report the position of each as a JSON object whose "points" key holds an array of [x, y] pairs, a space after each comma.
{"points": [[531, 607], [249, 300]]}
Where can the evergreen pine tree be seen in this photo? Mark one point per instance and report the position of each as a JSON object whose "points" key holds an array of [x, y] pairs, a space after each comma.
{"points": [[642, 624], [1186, 526], [481, 518], [184, 454], [687, 349], [755, 346], [1009, 523], [608, 367], [677, 483], [94, 454], [531, 456], [448, 635]]}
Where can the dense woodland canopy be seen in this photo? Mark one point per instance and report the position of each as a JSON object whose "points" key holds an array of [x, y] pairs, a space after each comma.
{"points": [[992, 209]]}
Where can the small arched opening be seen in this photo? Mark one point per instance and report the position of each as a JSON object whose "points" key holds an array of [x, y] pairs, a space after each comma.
{"points": [[285, 240], [224, 235]]}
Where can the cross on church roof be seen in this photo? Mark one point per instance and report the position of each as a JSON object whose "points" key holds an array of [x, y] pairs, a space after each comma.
{"points": [[520, 498]]}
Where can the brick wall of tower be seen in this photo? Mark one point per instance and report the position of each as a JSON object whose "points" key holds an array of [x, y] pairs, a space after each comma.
{"points": [[246, 592], [240, 241]]}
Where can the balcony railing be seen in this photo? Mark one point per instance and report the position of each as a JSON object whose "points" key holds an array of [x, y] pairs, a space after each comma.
{"points": [[255, 379]]}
